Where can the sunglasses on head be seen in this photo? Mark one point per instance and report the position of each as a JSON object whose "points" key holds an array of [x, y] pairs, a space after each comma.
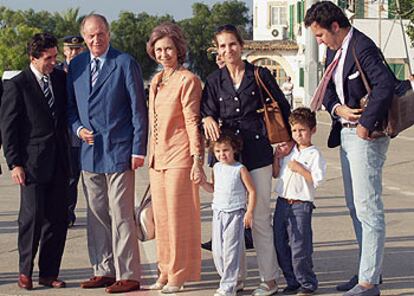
{"points": [[227, 27]]}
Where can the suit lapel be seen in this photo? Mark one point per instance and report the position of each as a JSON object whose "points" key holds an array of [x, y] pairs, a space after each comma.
{"points": [[107, 68], [349, 59], [227, 82], [37, 92], [248, 77]]}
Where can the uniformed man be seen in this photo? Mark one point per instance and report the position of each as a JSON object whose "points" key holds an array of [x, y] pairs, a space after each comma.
{"points": [[72, 46]]}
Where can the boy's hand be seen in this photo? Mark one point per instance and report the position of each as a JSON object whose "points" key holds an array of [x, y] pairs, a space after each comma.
{"points": [[248, 219], [295, 166], [283, 149]]}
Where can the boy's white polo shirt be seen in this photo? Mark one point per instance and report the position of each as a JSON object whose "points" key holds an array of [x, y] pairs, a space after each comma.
{"points": [[292, 185]]}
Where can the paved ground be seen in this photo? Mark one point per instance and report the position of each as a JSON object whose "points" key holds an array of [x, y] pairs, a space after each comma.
{"points": [[335, 247]]}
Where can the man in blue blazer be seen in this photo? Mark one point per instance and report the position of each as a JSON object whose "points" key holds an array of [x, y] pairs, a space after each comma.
{"points": [[107, 110], [362, 155]]}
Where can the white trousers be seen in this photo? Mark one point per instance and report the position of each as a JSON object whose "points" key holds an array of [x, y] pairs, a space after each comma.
{"points": [[262, 230]]}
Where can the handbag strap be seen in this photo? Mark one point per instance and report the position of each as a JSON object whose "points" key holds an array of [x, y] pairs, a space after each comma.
{"points": [[364, 78], [145, 195], [257, 78], [261, 85]]}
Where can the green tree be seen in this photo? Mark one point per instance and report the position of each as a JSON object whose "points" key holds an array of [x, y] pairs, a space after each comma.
{"points": [[13, 51], [199, 31], [407, 12], [130, 33], [67, 22]]}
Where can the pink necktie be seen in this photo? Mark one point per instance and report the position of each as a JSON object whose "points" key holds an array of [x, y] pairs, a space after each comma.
{"points": [[317, 99]]}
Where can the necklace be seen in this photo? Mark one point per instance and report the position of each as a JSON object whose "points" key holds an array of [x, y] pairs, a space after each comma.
{"points": [[165, 79]]}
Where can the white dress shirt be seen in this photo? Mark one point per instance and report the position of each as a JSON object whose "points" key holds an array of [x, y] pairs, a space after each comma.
{"points": [[292, 185]]}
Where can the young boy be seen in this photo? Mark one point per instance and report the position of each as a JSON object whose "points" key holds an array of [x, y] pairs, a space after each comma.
{"points": [[300, 172]]}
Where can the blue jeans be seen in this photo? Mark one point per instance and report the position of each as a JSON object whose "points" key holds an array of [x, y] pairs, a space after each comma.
{"points": [[362, 163], [292, 227]]}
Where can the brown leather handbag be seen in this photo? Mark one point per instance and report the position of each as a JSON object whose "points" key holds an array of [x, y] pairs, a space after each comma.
{"points": [[400, 114], [272, 115]]}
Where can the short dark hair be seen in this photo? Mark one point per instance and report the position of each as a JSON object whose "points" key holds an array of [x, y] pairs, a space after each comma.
{"points": [[39, 43], [324, 13], [173, 31], [228, 29], [228, 137], [303, 115]]}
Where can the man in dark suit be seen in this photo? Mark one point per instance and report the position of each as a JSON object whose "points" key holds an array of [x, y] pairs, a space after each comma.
{"points": [[35, 143], [362, 155], [107, 110]]}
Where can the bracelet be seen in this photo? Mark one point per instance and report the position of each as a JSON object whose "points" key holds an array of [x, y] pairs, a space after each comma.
{"points": [[198, 157]]}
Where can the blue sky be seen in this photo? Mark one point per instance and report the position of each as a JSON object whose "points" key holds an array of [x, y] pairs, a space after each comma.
{"points": [[110, 8]]}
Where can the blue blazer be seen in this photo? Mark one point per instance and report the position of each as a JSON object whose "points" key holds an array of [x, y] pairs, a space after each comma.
{"points": [[379, 77], [114, 109]]}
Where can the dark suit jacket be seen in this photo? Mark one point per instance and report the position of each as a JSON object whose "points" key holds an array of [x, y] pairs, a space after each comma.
{"points": [[381, 80], [237, 109], [32, 137]]}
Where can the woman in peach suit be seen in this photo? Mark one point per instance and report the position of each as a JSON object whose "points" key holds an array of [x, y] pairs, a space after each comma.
{"points": [[175, 160]]}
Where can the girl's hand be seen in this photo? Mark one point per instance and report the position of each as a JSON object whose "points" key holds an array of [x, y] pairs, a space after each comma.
{"points": [[248, 219]]}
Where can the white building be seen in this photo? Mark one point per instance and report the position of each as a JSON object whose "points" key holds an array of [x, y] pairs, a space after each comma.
{"points": [[279, 37]]}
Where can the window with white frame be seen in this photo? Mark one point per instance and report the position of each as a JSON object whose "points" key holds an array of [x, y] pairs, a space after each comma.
{"points": [[278, 15]]}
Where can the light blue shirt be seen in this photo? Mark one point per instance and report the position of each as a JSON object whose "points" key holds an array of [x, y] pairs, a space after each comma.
{"points": [[230, 194]]}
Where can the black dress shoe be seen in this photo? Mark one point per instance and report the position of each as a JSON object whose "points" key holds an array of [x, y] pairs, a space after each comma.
{"points": [[206, 246]]}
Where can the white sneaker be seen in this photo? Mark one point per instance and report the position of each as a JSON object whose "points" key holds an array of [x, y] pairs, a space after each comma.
{"points": [[264, 290], [220, 292]]}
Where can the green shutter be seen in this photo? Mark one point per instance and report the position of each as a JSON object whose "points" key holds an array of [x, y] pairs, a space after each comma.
{"points": [[291, 21], [391, 9], [343, 4], [301, 77], [299, 17], [359, 9], [399, 70]]}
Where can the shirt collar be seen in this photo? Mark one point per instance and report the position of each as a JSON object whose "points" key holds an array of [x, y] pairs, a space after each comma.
{"points": [[347, 40], [37, 73], [102, 57]]}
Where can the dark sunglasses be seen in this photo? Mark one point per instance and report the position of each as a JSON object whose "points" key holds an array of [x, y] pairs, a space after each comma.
{"points": [[227, 27]]}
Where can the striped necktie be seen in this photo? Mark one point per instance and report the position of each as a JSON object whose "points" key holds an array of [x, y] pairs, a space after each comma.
{"points": [[48, 94], [317, 99], [94, 71]]}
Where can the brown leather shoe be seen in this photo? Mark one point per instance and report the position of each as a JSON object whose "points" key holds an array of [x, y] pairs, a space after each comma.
{"points": [[97, 282], [123, 286], [52, 282], [25, 282]]}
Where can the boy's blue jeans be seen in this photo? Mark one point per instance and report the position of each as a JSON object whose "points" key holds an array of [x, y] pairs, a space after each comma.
{"points": [[292, 227]]}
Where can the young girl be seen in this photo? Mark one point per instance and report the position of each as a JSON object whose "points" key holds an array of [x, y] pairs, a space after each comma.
{"points": [[231, 182]]}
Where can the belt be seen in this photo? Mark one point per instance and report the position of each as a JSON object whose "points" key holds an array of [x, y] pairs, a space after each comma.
{"points": [[349, 124], [292, 201]]}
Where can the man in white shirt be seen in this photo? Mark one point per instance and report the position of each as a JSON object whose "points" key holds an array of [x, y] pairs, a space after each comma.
{"points": [[362, 155]]}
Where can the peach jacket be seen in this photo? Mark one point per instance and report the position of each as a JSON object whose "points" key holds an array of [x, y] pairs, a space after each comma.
{"points": [[174, 117]]}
